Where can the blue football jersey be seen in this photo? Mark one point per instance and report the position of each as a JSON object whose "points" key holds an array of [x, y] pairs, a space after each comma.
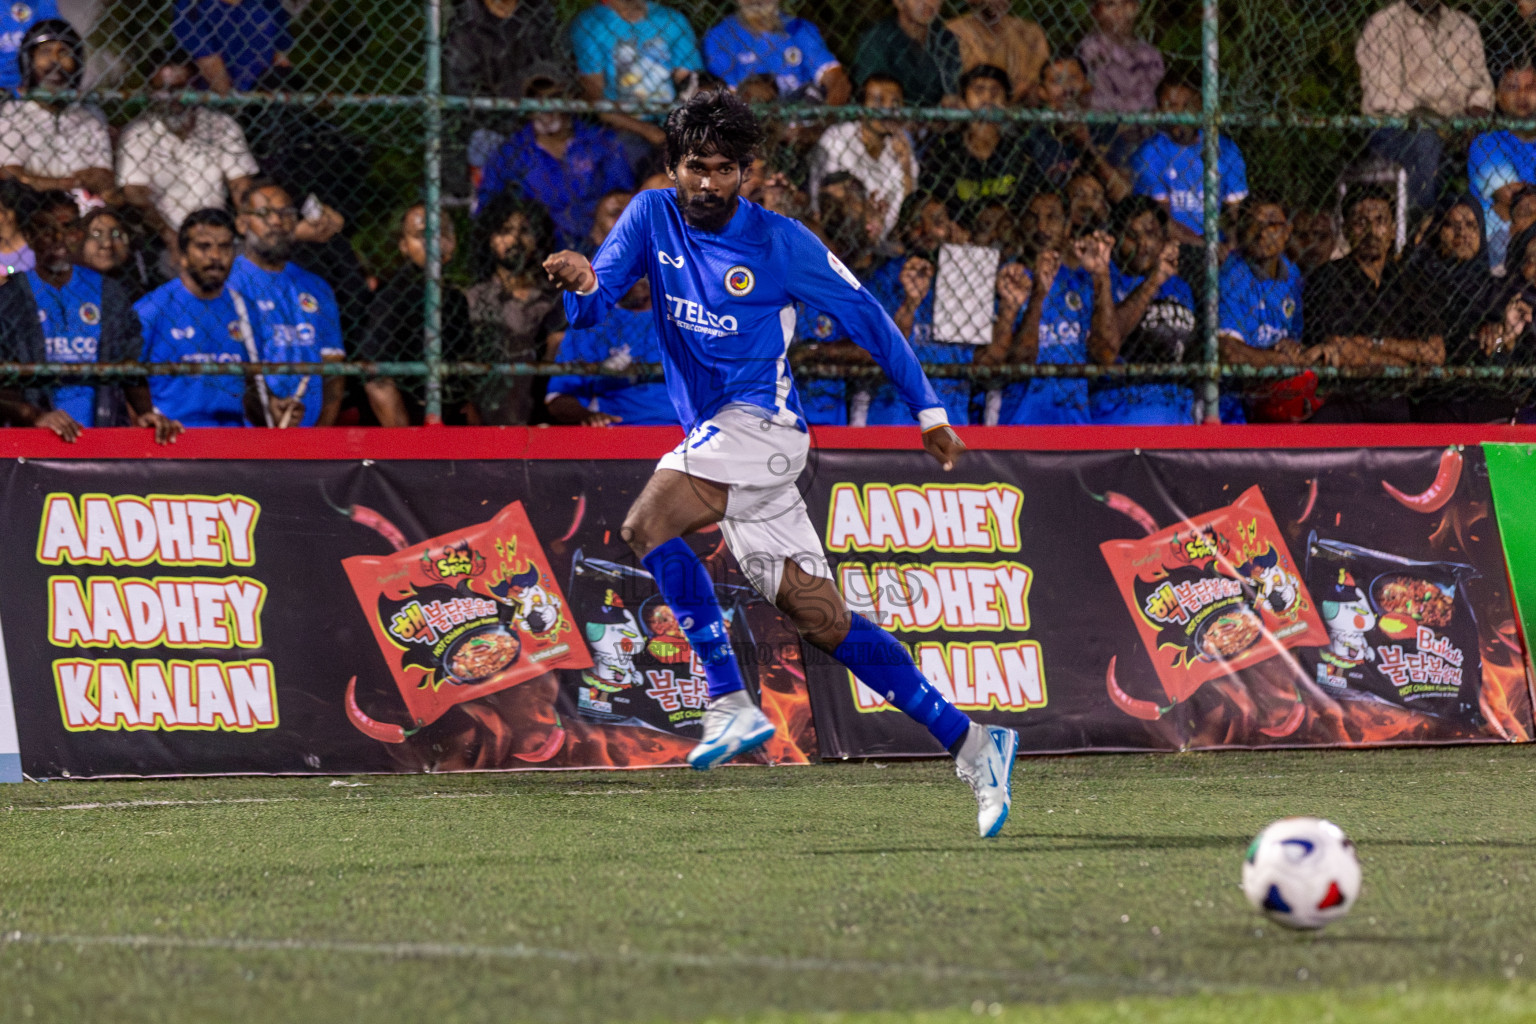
{"points": [[1125, 404], [179, 327], [724, 307], [628, 335], [294, 318], [1260, 311], [71, 319], [1064, 325], [885, 406]]}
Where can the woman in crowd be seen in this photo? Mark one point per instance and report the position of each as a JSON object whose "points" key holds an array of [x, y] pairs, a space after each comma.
{"points": [[108, 249], [1452, 258]]}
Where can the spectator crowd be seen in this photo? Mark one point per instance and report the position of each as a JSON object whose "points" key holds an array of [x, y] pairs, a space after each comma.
{"points": [[990, 241]]}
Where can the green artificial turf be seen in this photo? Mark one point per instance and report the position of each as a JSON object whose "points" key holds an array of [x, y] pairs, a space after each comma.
{"points": [[854, 892]]}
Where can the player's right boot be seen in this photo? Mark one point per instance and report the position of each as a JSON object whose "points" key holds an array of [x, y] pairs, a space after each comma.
{"points": [[733, 726], [985, 762]]}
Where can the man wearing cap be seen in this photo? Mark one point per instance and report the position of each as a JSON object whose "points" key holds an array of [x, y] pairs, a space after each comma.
{"points": [[55, 144]]}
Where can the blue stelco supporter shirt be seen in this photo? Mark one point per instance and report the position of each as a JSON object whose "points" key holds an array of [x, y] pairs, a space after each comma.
{"points": [[179, 327], [724, 307], [885, 406], [15, 19], [1158, 403], [796, 57], [247, 35], [594, 165], [626, 336], [294, 320], [71, 319], [1497, 159], [1163, 169], [824, 401], [1064, 326], [1257, 310]]}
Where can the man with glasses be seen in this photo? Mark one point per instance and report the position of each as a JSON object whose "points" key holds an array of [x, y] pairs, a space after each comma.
{"points": [[295, 312], [58, 312]]}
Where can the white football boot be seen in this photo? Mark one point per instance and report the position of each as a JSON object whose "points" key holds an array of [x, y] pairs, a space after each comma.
{"points": [[985, 762], [733, 726]]}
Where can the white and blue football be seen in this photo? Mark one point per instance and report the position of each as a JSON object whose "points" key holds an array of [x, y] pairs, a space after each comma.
{"points": [[1302, 873]]}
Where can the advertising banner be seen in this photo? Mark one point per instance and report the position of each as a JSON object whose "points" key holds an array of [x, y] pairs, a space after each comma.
{"points": [[1178, 599], [1512, 471], [310, 616], [272, 616]]}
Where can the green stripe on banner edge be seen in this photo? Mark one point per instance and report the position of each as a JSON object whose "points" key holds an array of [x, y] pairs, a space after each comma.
{"points": [[1512, 478]]}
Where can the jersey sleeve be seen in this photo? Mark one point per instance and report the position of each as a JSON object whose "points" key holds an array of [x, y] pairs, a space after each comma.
{"points": [[820, 280], [683, 44], [328, 322], [619, 262], [1233, 313], [1147, 180], [718, 59], [817, 57], [1234, 172]]}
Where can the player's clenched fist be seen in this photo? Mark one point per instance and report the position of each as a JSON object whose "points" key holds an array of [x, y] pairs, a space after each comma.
{"points": [[570, 271], [944, 445]]}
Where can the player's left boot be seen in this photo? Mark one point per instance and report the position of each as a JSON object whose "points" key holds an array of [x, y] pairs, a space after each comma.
{"points": [[733, 726], [985, 762]]}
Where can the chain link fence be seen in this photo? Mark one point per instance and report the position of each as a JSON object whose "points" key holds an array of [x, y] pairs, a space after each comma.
{"points": [[1087, 212]]}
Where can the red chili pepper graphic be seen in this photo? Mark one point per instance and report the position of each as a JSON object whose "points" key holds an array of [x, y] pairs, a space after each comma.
{"points": [[550, 748], [1311, 501], [1439, 492], [362, 515], [1291, 724], [1146, 710], [581, 512], [384, 732], [1125, 506]]}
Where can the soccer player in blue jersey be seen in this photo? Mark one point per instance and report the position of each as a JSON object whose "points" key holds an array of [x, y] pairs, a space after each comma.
{"points": [[725, 275], [294, 316], [64, 313], [196, 318]]}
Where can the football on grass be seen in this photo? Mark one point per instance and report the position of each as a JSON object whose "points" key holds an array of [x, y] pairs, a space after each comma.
{"points": [[1302, 873]]}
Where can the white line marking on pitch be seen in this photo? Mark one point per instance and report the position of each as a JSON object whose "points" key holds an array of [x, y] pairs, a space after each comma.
{"points": [[120, 804], [454, 950]]}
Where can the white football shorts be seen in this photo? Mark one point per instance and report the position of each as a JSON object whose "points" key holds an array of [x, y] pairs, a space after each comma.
{"points": [[765, 517]]}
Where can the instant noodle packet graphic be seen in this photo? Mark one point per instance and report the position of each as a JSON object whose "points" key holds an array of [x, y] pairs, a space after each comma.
{"points": [[1215, 593], [466, 614], [1400, 630]]}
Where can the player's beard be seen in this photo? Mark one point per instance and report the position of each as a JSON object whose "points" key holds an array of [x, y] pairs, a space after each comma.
{"points": [[707, 212]]}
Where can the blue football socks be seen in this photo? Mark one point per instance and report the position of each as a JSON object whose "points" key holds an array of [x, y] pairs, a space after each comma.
{"points": [[883, 665], [688, 591]]}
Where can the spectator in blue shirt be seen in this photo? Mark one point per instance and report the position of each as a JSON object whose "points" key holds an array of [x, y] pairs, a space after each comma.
{"points": [[1059, 311], [197, 319], [626, 337], [1170, 166], [234, 42], [15, 19], [904, 286], [635, 50], [1260, 317], [63, 313], [295, 317], [1155, 315], [1500, 163], [758, 39], [560, 161]]}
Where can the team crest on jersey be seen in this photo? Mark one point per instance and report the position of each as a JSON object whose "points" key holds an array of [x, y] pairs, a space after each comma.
{"points": [[90, 314], [739, 281], [1288, 308], [21, 13], [1074, 301], [234, 330], [792, 56], [823, 328], [308, 303]]}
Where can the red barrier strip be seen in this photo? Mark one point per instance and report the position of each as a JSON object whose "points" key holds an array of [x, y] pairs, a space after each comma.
{"points": [[652, 442]]}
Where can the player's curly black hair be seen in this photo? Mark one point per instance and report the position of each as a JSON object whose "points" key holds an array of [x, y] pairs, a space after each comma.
{"points": [[713, 123]]}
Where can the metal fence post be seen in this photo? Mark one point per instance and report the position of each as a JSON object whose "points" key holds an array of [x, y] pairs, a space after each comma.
{"points": [[1210, 110], [432, 137]]}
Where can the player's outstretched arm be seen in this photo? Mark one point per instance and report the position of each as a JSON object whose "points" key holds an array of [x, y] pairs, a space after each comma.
{"points": [[571, 271]]}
